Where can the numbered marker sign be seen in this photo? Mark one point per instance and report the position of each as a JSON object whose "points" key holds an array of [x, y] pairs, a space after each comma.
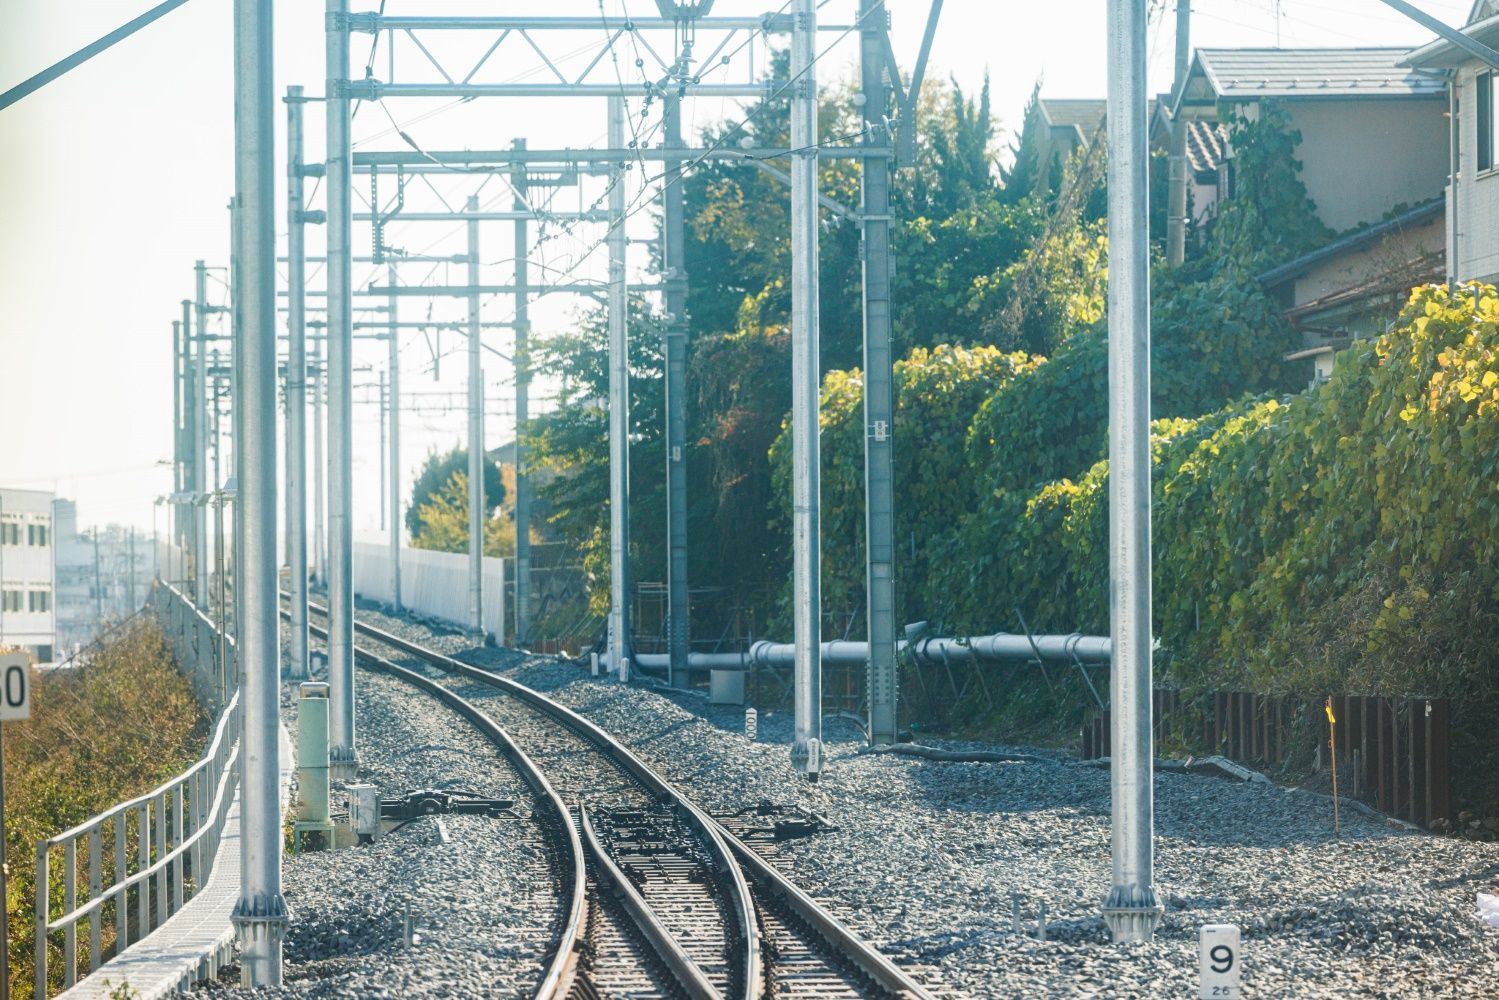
{"points": [[1218, 956], [15, 687]]}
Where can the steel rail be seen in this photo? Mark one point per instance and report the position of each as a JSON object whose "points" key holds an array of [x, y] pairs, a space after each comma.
{"points": [[562, 969], [687, 972], [866, 958], [714, 836]]}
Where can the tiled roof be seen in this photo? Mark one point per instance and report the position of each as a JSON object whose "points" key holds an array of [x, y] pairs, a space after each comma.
{"points": [[1249, 74], [1207, 145]]}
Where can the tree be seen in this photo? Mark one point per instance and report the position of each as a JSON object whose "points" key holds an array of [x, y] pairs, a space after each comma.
{"points": [[437, 472], [444, 520]]}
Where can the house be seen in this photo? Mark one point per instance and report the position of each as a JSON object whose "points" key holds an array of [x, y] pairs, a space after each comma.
{"points": [[27, 573], [1373, 132], [1473, 136], [1062, 126], [1373, 154], [1351, 288]]}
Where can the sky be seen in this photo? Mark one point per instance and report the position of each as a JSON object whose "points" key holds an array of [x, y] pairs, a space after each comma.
{"points": [[116, 178]]}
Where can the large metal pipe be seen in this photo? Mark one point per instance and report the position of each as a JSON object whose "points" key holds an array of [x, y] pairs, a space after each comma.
{"points": [[260, 914], [394, 441], [879, 392], [374, 90], [1000, 647], [296, 386], [475, 438], [1131, 909], [440, 161], [806, 752], [343, 751], [619, 408], [674, 240], [522, 406]]}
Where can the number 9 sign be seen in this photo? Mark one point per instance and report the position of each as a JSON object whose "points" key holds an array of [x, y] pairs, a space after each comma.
{"points": [[1218, 958], [15, 687]]}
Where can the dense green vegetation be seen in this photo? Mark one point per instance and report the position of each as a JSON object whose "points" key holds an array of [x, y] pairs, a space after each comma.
{"points": [[109, 730], [1332, 539]]}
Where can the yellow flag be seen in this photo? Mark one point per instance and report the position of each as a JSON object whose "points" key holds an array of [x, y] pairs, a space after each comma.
{"points": [[1328, 707]]}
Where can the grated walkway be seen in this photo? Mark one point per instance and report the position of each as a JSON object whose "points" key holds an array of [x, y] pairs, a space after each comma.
{"points": [[198, 938]]}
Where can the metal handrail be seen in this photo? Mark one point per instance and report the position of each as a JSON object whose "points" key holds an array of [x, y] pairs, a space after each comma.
{"points": [[195, 802]]}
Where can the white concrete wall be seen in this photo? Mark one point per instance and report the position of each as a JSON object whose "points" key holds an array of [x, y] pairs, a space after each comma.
{"points": [[27, 569], [432, 583], [1477, 194], [1361, 158]]}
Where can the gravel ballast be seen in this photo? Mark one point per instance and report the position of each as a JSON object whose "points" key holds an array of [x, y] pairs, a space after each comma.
{"points": [[927, 853], [485, 916]]}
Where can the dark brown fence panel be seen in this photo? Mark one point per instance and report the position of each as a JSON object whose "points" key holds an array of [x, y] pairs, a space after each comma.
{"points": [[1392, 753]]}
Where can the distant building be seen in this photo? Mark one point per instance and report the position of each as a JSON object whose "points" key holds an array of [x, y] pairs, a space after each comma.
{"points": [[103, 575], [27, 573], [1473, 133], [1062, 126]]}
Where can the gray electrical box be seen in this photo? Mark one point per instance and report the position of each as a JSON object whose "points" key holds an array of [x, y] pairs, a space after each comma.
{"points": [[364, 812]]}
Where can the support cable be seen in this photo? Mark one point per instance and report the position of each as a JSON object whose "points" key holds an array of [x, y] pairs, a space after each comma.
{"points": [[83, 55]]}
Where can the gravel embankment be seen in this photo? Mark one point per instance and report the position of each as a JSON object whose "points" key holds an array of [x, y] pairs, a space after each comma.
{"points": [[484, 918], [927, 854]]}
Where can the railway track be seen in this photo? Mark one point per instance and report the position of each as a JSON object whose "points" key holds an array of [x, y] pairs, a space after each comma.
{"points": [[665, 901]]}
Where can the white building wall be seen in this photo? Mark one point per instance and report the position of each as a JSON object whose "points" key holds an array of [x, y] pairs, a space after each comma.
{"points": [[1477, 194], [27, 572]]}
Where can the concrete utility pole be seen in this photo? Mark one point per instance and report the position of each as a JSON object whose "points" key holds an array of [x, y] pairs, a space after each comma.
{"points": [[475, 437], [806, 752], [201, 402], [393, 400], [296, 385], [879, 393], [619, 408], [343, 750], [674, 232], [1176, 207], [260, 916], [518, 181], [1131, 909]]}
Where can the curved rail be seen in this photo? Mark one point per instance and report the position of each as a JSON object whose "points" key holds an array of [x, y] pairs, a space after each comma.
{"points": [[563, 967], [686, 971], [867, 959]]}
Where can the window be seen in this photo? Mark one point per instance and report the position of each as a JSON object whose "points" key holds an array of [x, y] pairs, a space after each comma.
{"points": [[39, 600], [10, 600], [10, 533], [1485, 107], [36, 534]]}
